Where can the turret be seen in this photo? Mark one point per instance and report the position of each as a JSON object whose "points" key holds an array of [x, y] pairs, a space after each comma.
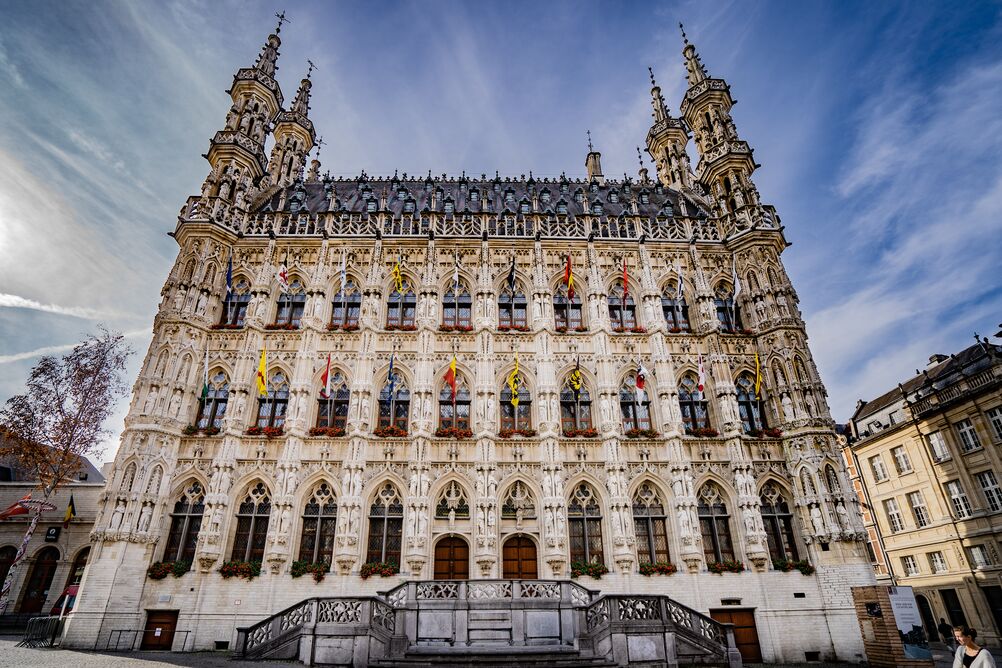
{"points": [[593, 162], [294, 137], [667, 141]]}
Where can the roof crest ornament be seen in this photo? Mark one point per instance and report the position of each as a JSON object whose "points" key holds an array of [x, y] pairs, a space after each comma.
{"points": [[281, 19]]}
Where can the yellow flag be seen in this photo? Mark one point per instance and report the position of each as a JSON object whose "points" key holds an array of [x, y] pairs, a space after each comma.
{"points": [[513, 383], [398, 279], [758, 376], [262, 373]]}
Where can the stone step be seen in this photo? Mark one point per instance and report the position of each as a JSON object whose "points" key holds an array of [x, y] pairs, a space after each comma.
{"points": [[502, 656]]}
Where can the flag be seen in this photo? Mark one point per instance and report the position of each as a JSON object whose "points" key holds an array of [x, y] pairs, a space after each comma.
{"points": [[15, 508], [282, 275], [569, 278], [344, 270], [641, 382], [514, 381], [626, 280], [511, 275], [734, 278], [701, 382], [575, 379], [758, 377], [455, 274], [450, 376], [326, 378], [391, 377], [71, 512], [398, 279], [262, 374], [205, 374], [229, 277], [678, 271]]}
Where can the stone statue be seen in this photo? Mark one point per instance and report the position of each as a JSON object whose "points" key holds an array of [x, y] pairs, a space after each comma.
{"points": [[684, 522], [606, 410], [117, 516], [817, 521], [788, 412], [749, 520], [283, 522], [145, 515], [492, 485], [843, 517], [745, 483]]}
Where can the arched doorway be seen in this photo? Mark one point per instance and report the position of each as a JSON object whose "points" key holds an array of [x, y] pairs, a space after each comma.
{"points": [[39, 580], [928, 619], [519, 559], [452, 559], [77, 569]]}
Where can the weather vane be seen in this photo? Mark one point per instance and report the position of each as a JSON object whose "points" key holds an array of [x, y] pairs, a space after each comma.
{"points": [[590, 149], [281, 19], [682, 28], [311, 68], [320, 143]]}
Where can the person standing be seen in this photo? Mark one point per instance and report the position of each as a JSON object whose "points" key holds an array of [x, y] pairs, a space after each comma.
{"points": [[970, 654], [946, 630]]}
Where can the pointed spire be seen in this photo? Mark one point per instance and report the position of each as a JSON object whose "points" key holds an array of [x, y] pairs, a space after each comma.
{"points": [[657, 100], [301, 105], [695, 72], [266, 62], [643, 174]]}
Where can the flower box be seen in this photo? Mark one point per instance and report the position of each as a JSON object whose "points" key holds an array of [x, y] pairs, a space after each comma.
{"points": [[765, 433], [192, 430], [509, 433], [674, 330], [455, 328], [658, 568], [581, 433], [226, 325], [390, 431], [381, 568], [267, 432], [285, 326], [702, 432], [641, 433], [788, 565], [453, 432], [301, 568], [162, 569], [330, 432], [638, 330], [334, 327], [727, 566], [513, 328], [579, 568], [240, 569], [401, 328], [561, 330]]}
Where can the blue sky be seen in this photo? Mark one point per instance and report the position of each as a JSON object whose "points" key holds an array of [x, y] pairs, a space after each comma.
{"points": [[877, 126]]}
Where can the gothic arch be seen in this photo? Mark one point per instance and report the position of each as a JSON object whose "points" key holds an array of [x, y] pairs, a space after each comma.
{"points": [[155, 480], [242, 485], [336, 367], [727, 491], [333, 285], [668, 284], [783, 485], [307, 486], [407, 277], [440, 484], [531, 493], [466, 282], [663, 490], [129, 473], [451, 488], [162, 366], [188, 273], [807, 481], [521, 282], [209, 275], [370, 490], [187, 477]]}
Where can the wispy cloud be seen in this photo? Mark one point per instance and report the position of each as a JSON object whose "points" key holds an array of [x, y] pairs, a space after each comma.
{"points": [[55, 350]]}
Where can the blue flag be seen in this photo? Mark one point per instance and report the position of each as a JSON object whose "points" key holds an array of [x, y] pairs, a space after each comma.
{"points": [[229, 277]]}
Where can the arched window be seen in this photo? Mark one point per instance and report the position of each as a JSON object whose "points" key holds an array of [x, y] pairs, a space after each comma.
{"points": [[518, 504], [77, 569], [622, 310], [400, 307], [454, 412], [518, 416], [252, 525], [584, 520], [316, 545], [394, 403], [778, 521], [212, 405], [271, 407], [675, 309], [235, 305], [727, 310], [347, 303], [649, 525], [386, 526], [831, 479], [692, 405], [749, 408], [714, 524], [457, 307], [333, 410], [575, 405], [566, 312], [7, 555], [129, 477], [512, 308], [185, 521], [634, 406], [452, 502], [291, 304]]}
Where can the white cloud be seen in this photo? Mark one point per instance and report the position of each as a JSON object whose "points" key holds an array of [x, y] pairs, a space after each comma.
{"points": [[13, 301]]}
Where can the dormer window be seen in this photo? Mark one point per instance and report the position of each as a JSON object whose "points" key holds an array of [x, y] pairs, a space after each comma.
{"points": [[593, 187], [450, 206], [497, 187], [561, 206], [524, 208], [370, 206], [613, 197], [409, 206], [474, 195], [545, 196], [659, 189], [402, 193], [509, 197], [596, 208], [579, 196], [645, 198], [564, 188]]}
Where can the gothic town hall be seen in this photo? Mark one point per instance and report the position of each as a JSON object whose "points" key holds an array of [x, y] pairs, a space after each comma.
{"points": [[387, 418]]}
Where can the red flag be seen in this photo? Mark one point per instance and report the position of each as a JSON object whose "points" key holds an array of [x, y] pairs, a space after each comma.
{"points": [[326, 378], [702, 376], [450, 376], [15, 509], [569, 278], [626, 280]]}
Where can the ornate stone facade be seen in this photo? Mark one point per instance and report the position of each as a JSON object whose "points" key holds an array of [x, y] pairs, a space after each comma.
{"points": [[419, 273]]}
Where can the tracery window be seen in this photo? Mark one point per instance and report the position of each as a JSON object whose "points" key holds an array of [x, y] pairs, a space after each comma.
{"points": [[513, 417], [622, 310], [714, 524], [727, 310], [675, 309], [185, 521], [749, 408], [271, 407], [394, 403], [212, 406], [252, 525], [778, 521], [386, 526], [452, 501], [347, 304], [831, 478], [235, 307], [454, 413], [635, 407], [584, 521], [333, 410], [400, 307], [512, 308], [650, 525], [291, 305], [316, 545], [78, 566], [517, 503], [575, 405], [457, 307], [692, 404], [566, 312]]}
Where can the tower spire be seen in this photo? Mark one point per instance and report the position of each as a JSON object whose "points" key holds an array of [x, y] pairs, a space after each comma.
{"points": [[593, 162], [657, 100], [695, 72], [294, 136]]}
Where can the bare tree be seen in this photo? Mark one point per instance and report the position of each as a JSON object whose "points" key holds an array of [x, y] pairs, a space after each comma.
{"points": [[60, 419]]}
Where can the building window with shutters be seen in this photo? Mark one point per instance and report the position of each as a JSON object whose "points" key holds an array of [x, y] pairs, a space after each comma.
{"points": [[291, 305], [995, 420], [575, 406], [878, 468], [990, 486], [919, 510], [902, 464], [400, 308], [937, 447], [894, 518], [937, 562], [271, 407], [909, 565], [347, 304]]}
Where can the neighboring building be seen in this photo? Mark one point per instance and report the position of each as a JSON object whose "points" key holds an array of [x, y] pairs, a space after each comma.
{"points": [[56, 556], [433, 277], [926, 464]]}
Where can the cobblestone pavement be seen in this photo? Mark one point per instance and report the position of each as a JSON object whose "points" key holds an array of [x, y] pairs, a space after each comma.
{"points": [[12, 656]]}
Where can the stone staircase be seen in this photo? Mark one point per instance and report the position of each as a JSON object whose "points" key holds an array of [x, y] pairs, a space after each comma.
{"points": [[491, 623]]}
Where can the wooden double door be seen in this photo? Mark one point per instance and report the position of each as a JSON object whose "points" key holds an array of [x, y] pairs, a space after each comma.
{"points": [[745, 632], [452, 559], [519, 559], [159, 631]]}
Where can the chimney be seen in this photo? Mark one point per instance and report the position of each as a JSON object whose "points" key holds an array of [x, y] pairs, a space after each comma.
{"points": [[593, 163]]}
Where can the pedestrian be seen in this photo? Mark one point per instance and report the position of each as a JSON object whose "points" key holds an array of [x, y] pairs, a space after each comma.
{"points": [[945, 630], [970, 654]]}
